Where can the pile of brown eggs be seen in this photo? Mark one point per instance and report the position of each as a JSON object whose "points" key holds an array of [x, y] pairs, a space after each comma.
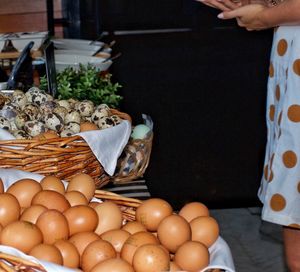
{"points": [[66, 226]]}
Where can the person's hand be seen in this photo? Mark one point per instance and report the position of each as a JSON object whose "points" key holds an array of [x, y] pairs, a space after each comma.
{"points": [[224, 5], [248, 16]]}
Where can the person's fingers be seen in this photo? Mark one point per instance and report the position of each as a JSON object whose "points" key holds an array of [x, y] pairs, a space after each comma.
{"points": [[215, 4], [229, 14]]}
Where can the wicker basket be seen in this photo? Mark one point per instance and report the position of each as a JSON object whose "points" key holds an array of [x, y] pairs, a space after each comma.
{"points": [[63, 157], [134, 160]]}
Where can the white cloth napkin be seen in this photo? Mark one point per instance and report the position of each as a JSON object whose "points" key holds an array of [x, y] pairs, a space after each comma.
{"points": [[220, 254], [107, 144]]}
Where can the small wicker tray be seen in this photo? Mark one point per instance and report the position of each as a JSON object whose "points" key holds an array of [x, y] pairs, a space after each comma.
{"points": [[63, 157]]}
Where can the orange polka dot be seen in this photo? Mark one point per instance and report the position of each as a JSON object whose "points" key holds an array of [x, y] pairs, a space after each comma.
{"points": [[277, 92], [277, 202], [282, 47], [295, 226], [266, 172], [296, 67], [272, 112], [271, 176], [271, 70], [279, 118], [294, 113], [289, 159]]}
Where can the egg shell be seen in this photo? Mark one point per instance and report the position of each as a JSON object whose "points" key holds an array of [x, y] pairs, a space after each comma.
{"points": [[133, 227], [9, 209], [110, 217], [173, 231], [69, 253], [140, 131], [24, 190], [47, 253], [96, 252], [32, 213], [192, 256], [116, 238], [205, 229], [53, 225], [84, 184], [21, 235], [82, 239], [151, 258], [134, 241], [152, 211], [53, 183], [81, 218], [76, 198], [51, 200], [114, 264], [192, 210]]}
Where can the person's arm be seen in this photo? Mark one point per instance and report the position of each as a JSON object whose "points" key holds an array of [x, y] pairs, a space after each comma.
{"points": [[257, 17]]}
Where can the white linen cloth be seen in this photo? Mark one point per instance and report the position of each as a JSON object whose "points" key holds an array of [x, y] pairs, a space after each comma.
{"points": [[220, 254], [107, 144]]}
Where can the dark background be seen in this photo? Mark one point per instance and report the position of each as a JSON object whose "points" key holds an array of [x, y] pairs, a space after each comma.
{"points": [[204, 86]]}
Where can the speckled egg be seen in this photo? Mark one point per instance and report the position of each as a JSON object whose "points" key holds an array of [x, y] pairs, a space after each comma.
{"points": [[103, 106], [75, 127], [54, 122], [32, 111], [67, 133], [105, 122], [32, 91], [19, 98], [34, 128], [61, 111], [9, 111], [72, 102], [39, 98], [47, 107], [21, 119], [20, 134], [72, 116], [64, 103], [4, 123], [12, 125], [99, 113], [86, 108], [116, 119]]}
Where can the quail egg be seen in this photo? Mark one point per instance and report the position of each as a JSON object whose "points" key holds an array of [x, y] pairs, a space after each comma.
{"points": [[117, 120], [66, 133], [31, 110], [105, 122], [21, 119], [9, 111], [103, 106], [19, 98], [20, 134], [12, 125], [54, 122], [75, 127], [3, 100], [4, 123], [64, 103], [39, 98], [99, 113], [72, 102], [47, 107], [32, 91], [86, 108], [34, 128], [61, 111], [72, 116]]}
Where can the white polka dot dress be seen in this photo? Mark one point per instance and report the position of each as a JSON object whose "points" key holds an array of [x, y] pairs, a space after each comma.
{"points": [[280, 186]]}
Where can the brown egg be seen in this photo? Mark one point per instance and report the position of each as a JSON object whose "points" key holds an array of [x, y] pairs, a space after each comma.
{"points": [[84, 184], [151, 258], [173, 231], [22, 235], [133, 227], [192, 210], [76, 198], [205, 229], [32, 213], [81, 218], [86, 126], [51, 200], [113, 265], [96, 252], [1, 186], [24, 190], [69, 253], [192, 256], [152, 211], [48, 253], [82, 239], [53, 183], [54, 226], [110, 217], [134, 241], [174, 267], [116, 238], [9, 209]]}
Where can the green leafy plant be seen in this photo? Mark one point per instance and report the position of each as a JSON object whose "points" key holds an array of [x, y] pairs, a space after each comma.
{"points": [[85, 83]]}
